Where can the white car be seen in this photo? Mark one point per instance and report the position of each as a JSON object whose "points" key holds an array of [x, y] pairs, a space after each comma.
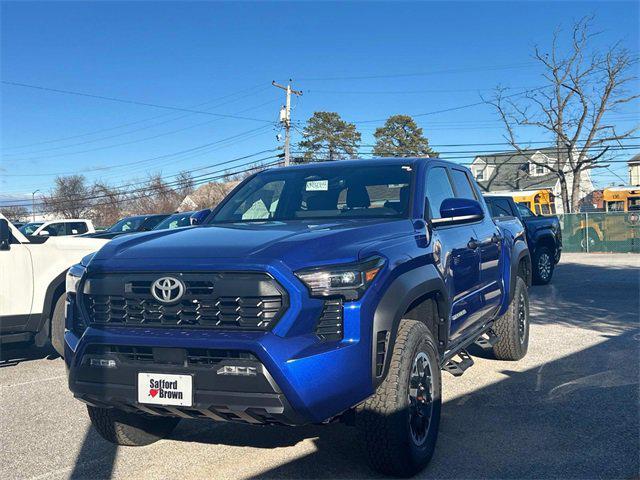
{"points": [[32, 283], [59, 228]]}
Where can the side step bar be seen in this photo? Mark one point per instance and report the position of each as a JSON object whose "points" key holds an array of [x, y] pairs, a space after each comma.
{"points": [[487, 340], [458, 367]]}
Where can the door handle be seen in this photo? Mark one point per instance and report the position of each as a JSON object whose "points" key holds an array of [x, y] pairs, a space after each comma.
{"points": [[473, 243], [496, 238]]}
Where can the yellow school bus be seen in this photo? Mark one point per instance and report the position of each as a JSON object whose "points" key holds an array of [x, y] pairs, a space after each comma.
{"points": [[621, 199], [541, 202]]}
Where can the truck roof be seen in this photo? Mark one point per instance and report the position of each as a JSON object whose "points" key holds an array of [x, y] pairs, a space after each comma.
{"points": [[360, 162]]}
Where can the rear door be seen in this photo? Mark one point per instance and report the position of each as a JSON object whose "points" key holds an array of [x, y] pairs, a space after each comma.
{"points": [[458, 263]]}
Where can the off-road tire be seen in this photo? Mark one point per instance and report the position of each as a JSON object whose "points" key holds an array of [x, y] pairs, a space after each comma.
{"points": [[513, 343], [384, 418], [57, 325], [543, 265], [130, 429]]}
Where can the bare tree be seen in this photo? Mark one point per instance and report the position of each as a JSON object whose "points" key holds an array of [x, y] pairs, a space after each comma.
{"points": [[583, 85], [109, 205], [16, 213], [70, 197]]}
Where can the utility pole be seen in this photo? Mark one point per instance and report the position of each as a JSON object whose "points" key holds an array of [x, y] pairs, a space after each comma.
{"points": [[33, 205], [285, 118]]}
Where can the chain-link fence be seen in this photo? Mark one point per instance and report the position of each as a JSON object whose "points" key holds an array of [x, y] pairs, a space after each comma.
{"points": [[601, 232]]}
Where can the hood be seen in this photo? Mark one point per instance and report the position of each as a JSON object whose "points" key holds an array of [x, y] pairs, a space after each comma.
{"points": [[297, 244], [76, 243]]}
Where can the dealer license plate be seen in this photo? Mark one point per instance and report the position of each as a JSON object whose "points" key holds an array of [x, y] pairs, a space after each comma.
{"points": [[165, 389]]}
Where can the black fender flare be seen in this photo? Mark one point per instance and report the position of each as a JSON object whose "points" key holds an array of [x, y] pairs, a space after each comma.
{"points": [[50, 297], [403, 291], [545, 235], [520, 251]]}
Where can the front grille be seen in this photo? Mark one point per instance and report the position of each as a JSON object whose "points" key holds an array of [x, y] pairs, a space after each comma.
{"points": [[329, 326], [193, 356], [220, 300]]}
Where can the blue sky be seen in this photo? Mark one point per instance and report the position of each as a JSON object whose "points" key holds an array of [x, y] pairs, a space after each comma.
{"points": [[363, 60]]}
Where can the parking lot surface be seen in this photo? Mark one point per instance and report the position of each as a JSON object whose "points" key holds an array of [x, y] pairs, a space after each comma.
{"points": [[568, 410]]}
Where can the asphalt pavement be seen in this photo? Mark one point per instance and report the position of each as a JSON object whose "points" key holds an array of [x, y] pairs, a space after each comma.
{"points": [[568, 410]]}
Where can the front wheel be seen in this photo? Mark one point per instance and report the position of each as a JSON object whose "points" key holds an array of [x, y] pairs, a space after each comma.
{"points": [[57, 325], [130, 429], [400, 421]]}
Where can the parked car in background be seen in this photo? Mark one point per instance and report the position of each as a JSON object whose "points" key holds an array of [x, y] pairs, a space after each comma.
{"points": [[18, 224], [543, 234], [59, 228], [312, 294], [132, 224], [177, 220], [32, 283]]}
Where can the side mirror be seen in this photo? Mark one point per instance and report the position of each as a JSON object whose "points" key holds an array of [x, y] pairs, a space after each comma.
{"points": [[458, 210], [199, 217], [5, 235]]}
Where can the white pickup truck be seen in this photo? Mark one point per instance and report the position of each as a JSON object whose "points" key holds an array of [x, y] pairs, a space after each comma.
{"points": [[32, 283]]}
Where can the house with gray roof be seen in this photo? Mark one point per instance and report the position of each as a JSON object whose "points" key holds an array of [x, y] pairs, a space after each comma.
{"points": [[514, 171]]}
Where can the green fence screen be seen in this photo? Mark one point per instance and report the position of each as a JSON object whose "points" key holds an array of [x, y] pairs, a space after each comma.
{"points": [[595, 232]]}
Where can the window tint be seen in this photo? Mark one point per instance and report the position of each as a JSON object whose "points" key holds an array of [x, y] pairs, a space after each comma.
{"points": [[438, 189], [524, 211], [326, 191], [463, 185], [149, 223], [76, 228], [55, 229], [499, 207]]}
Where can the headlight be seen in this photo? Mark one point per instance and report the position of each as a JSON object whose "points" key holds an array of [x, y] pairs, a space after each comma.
{"points": [[73, 278], [349, 281]]}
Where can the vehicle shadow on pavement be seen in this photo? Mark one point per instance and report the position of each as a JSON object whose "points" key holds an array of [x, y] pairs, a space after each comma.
{"points": [[13, 354], [578, 420], [96, 458]]}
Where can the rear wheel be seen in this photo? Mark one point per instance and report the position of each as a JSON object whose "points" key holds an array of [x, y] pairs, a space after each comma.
{"points": [[130, 429], [400, 421], [57, 325], [513, 327], [543, 265]]}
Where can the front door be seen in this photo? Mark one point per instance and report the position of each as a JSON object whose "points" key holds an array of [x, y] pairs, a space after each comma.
{"points": [[16, 279], [454, 254]]}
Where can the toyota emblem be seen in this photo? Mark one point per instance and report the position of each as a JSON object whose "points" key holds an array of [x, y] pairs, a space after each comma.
{"points": [[167, 289]]}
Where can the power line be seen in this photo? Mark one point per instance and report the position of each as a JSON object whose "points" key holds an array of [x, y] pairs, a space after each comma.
{"points": [[198, 179], [137, 162], [254, 90], [106, 147], [131, 102], [420, 74]]}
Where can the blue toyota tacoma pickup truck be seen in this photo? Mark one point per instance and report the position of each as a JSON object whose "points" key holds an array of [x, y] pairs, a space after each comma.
{"points": [[315, 293]]}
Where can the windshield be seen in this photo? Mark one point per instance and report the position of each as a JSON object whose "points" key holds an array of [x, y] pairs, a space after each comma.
{"points": [[175, 221], [29, 228], [130, 224], [328, 191]]}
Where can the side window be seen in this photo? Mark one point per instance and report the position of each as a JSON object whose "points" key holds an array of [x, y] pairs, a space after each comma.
{"points": [[524, 211], [499, 207], [262, 204], [77, 228], [438, 189], [55, 229], [462, 184]]}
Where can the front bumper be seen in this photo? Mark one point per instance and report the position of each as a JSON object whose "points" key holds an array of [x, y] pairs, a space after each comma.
{"points": [[300, 378]]}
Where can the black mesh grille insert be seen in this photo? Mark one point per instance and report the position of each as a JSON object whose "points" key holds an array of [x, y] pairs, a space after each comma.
{"points": [[249, 301], [329, 326], [381, 350], [193, 356]]}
